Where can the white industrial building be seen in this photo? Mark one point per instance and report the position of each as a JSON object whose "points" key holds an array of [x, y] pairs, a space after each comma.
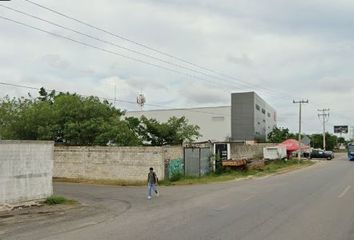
{"points": [[214, 122], [249, 118]]}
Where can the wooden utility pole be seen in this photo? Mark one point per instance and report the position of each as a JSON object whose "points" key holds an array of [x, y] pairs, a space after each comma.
{"points": [[300, 105], [324, 114]]}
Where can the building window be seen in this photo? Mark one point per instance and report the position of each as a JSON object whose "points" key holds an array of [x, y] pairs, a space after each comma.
{"points": [[268, 115], [258, 107], [264, 120], [263, 111], [217, 119]]}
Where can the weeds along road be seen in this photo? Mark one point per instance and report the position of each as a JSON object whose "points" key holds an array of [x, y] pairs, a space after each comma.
{"points": [[314, 203]]}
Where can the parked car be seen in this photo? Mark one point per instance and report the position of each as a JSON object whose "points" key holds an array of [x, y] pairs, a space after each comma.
{"points": [[319, 153]]}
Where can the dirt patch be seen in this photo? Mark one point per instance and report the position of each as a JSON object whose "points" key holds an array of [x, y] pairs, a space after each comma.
{"points": [[113, 182], [24, 214]]}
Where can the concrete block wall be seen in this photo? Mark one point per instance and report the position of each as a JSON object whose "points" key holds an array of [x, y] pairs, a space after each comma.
{"points": [[25, 171], [242, 151], [172, 152], [123, 163]]}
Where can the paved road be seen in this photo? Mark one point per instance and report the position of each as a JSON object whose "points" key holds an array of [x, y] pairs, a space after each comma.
{"points": [[315, 203]]}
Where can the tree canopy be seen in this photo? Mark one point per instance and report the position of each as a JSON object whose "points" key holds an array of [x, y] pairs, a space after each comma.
{"points": [[76, 120], [173, 132], [317, 141], [279, 135]]}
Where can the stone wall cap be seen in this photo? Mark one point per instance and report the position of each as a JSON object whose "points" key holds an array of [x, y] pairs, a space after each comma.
{"points": [[108, 147], [26, 142]]}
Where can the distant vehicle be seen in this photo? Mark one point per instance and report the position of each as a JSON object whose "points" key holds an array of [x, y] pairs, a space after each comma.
{"points": [[319, 153], [351, 151]]}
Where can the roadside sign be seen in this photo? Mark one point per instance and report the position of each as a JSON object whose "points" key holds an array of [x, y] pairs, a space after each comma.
{"points": [[341, 129]]}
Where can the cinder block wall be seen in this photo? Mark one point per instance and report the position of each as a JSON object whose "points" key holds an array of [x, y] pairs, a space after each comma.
{"points": [[123, 163], [241, 151], [25, 170], [172, 152]]}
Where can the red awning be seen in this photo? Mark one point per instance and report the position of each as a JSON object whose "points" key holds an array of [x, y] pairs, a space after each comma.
{"points": [[291, 145]]}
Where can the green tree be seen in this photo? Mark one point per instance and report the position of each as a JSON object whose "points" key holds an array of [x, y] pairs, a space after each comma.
{"points": [[45, 96], [173, 132], [67, 118], [341, 140], [279, 135], [25, 119], [76, 120], [88, 121], [317, 141]]}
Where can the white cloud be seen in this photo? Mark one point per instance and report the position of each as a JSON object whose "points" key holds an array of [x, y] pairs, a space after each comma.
{"points": [[294, 49]]}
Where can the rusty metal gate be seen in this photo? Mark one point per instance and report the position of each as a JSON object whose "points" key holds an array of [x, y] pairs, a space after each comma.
{"points": [[196, 161]]}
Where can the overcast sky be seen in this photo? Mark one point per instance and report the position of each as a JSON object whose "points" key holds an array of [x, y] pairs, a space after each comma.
{"points": [[283, 50]]}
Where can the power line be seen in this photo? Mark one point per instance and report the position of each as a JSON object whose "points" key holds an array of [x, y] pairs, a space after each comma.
{"points": [[107, 50], [115, 35], [109, 42], [128, 49], [89, 45], [146, 46], [134, 42], [116, 99], [102, 49], [19, 86], [37, 88]]}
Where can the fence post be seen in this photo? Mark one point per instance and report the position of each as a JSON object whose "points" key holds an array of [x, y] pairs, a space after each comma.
{"points": [[200, 154], [184, 161]]}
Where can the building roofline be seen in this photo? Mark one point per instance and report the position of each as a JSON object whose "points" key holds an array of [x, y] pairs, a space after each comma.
{"points": [[256, 94], [177, 109]]}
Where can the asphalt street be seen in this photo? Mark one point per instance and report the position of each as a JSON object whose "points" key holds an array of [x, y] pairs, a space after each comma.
{"points": [[315, 203]]}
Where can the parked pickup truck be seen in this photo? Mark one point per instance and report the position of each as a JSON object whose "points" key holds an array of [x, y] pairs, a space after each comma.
{"points": [[319, 153]]}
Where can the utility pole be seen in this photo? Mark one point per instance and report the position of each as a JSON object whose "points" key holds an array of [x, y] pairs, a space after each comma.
{"points": [[324, 114], [300, 106]]}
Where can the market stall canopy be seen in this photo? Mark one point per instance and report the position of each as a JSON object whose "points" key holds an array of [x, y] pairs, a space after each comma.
{"points": [[292, 145]]}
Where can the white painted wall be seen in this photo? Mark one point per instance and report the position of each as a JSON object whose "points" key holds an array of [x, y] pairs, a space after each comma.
{"points": [[214, 122], [25, 170]]}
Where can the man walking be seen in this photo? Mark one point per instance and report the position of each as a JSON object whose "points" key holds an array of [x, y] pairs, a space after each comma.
{"points": [[152, 183]]}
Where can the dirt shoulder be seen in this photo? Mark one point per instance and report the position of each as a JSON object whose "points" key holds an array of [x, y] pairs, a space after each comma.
{"points": [[23, 219]]}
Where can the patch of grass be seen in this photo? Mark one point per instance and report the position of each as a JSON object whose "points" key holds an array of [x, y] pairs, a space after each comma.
{"points": [[54, 200], [176, 177], [270, 168], [114, 182]]}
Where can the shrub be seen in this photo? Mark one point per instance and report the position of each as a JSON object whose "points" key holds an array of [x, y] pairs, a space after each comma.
{"points": [[53, 200], [176, 176]]}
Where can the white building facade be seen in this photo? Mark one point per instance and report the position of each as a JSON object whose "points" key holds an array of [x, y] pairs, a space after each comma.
{"points": [[214, 122], [248, 119]]}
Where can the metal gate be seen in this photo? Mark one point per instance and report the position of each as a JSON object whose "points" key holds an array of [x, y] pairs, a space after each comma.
{"points": [[196, 161]]}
